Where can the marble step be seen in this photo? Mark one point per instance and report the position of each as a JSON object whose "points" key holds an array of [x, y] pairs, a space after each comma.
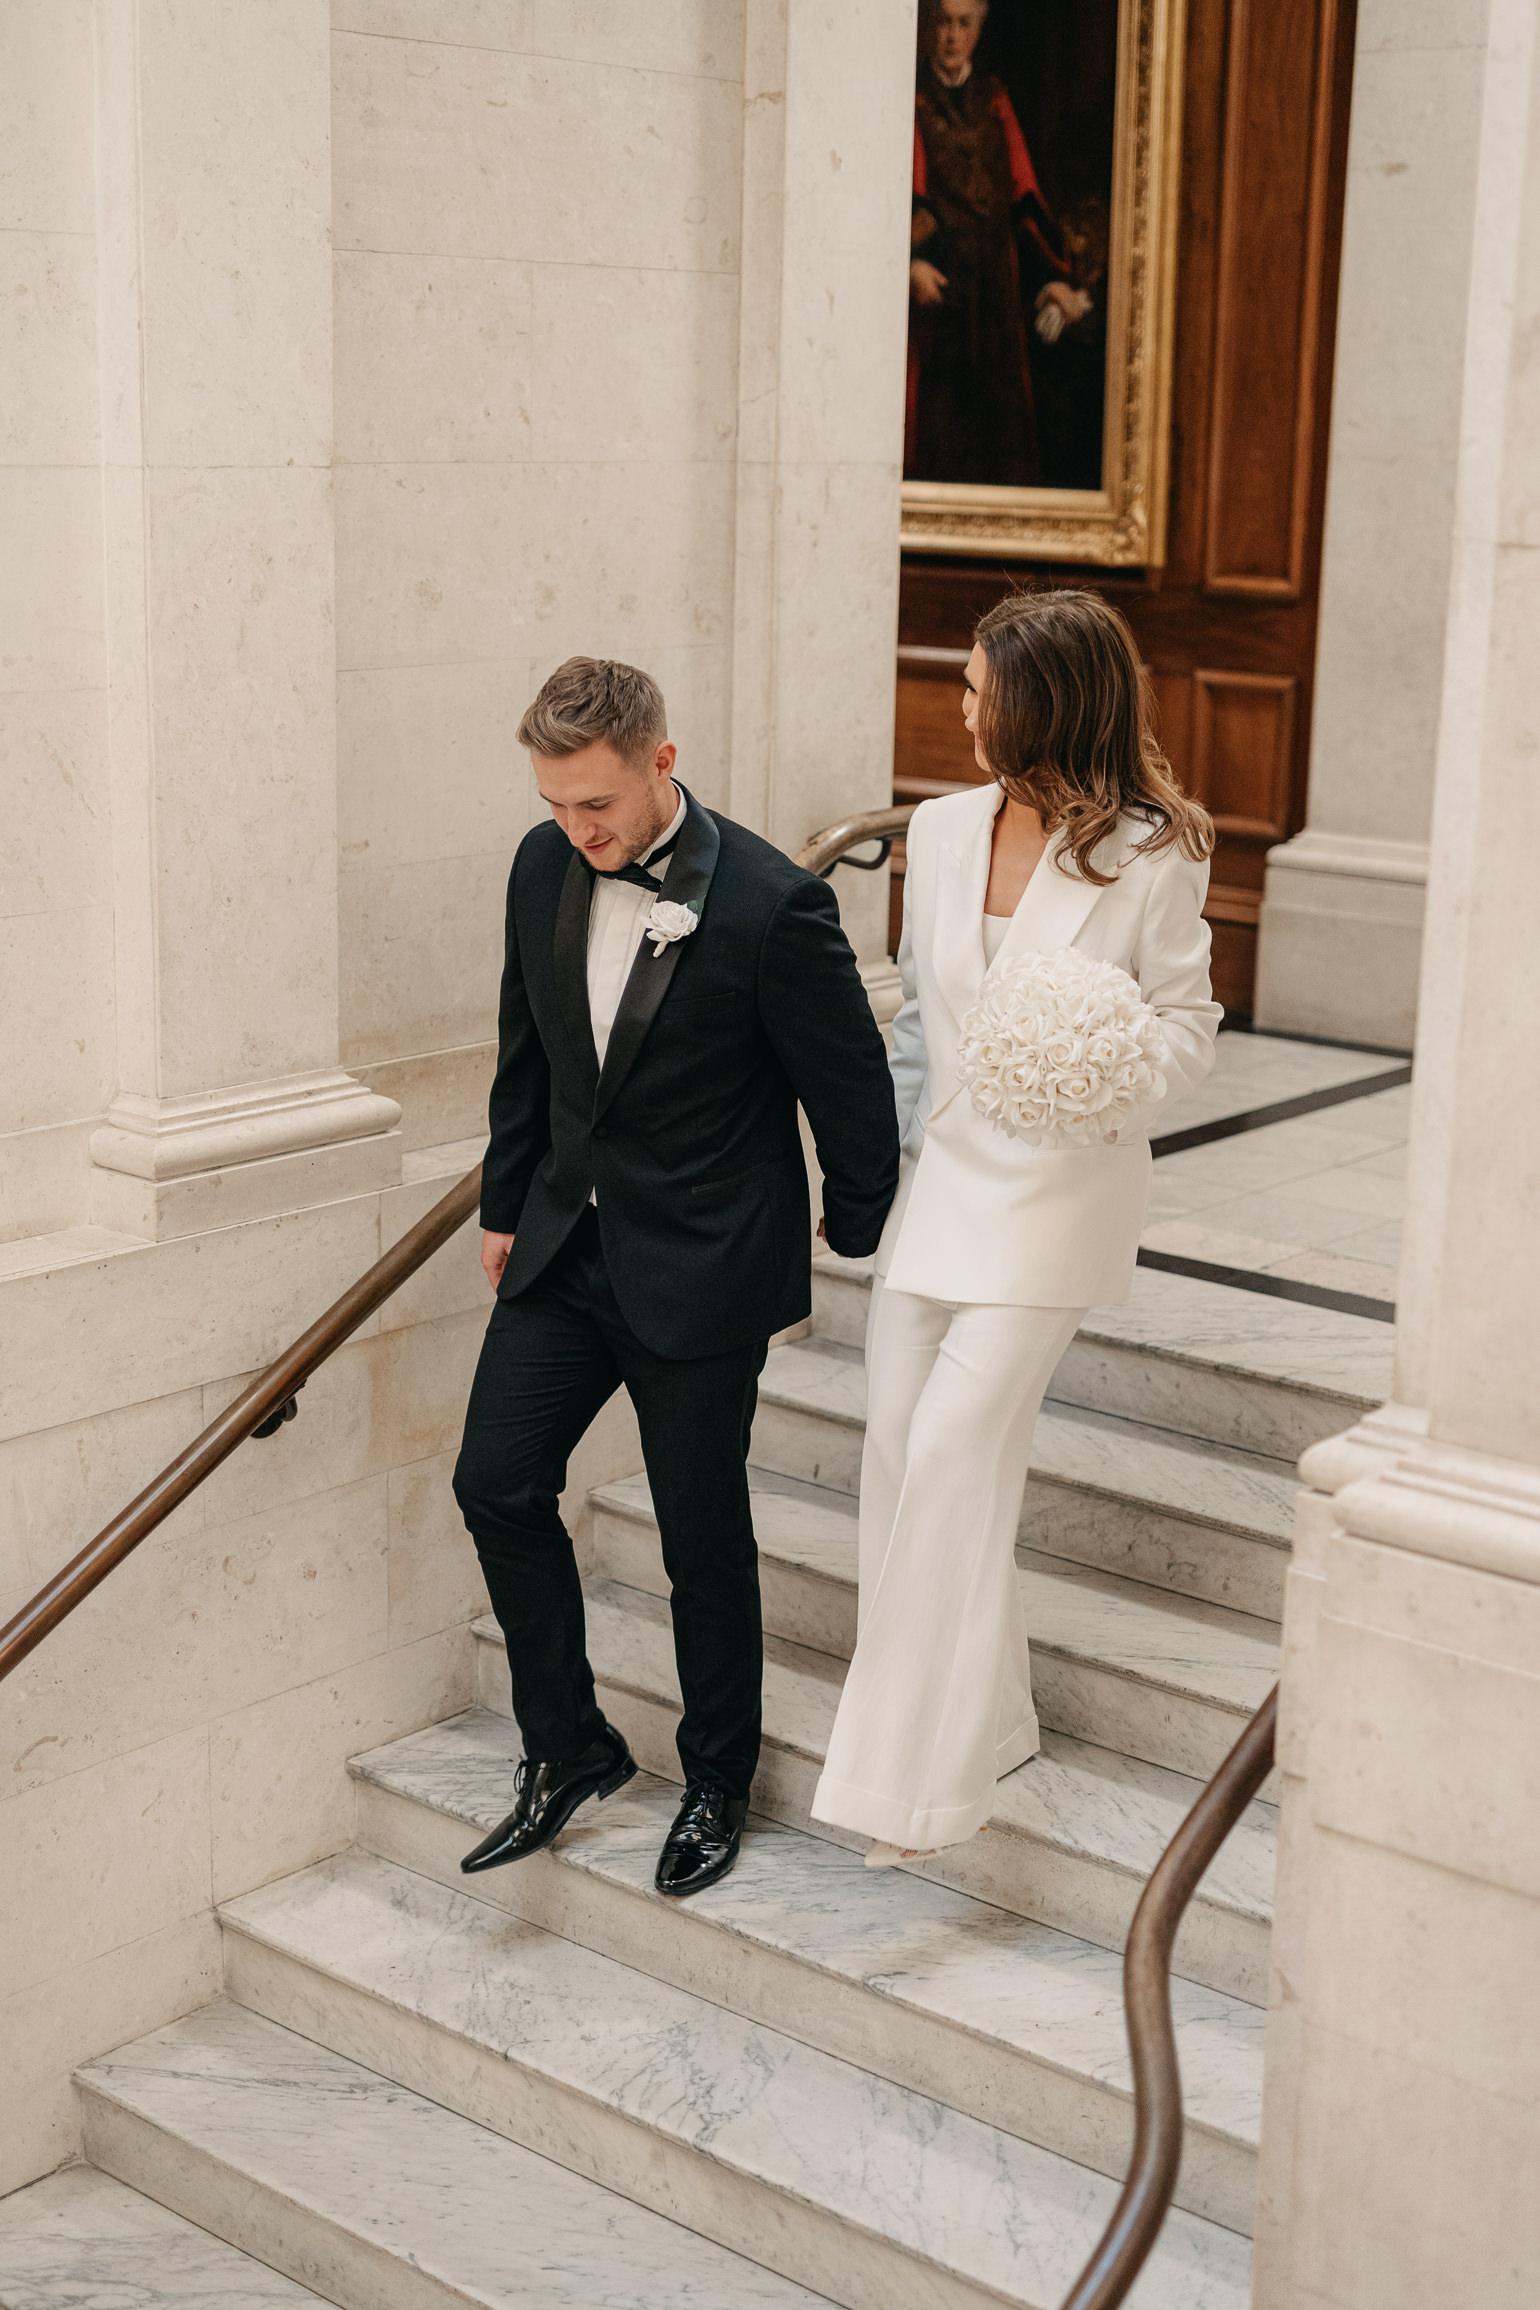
{"points": [[1114, 1661], [1072, 1839], [1203, 1359], [1007, 2021], [876, 2197], [78, 2240], [379, 2198], [1205, 1520]]}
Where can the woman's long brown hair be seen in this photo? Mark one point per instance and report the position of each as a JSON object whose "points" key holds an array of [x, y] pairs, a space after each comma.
{"points": [[1066, 722]]}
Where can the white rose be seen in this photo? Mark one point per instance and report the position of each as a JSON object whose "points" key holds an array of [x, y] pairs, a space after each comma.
{"points": [[668, 921]]}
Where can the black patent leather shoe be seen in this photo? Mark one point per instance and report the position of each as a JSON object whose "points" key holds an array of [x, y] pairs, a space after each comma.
{"points": [[703, 1843], [547, 1796]]}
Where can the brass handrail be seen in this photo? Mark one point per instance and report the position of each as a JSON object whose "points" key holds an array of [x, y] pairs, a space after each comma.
{"points": [[273, 1389], [823, 851], [219, 1439], [1145, 2199]]}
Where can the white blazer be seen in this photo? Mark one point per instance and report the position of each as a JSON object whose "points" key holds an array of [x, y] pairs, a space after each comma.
{"points": [[978, 1215]]}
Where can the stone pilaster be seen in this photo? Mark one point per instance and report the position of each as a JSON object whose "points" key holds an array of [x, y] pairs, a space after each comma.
{"points": [[1342, 914], [1400, 2128], [828, 112], [213, 171]]}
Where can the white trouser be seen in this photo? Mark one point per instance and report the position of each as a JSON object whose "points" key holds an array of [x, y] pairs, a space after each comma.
{"points": [[938, 1700]]}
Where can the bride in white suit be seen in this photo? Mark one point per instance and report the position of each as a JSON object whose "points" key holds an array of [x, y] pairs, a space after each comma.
{"points": [[995, 1249]]}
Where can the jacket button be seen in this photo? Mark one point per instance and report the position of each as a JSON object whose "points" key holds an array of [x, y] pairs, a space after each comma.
{"points": [[601, 1131]]}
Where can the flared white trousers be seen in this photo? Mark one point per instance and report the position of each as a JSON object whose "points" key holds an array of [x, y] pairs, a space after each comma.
{"points": [[938, 1700]]}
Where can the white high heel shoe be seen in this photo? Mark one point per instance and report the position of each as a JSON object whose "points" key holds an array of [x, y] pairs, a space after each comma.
{"points": [[880, 1856]]}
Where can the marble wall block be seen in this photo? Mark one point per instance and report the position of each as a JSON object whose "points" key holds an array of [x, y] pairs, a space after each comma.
{"points": [[51, 412], [44, 1179], [693, 36], [90, 1336], [280, 1795], [436, 564], [59, 1486], [108, 1854], [233, 135], [433, 358], [199, 1624], [441, 1094], [1454, 2174], [45, 117], [51, 595], [50, 2029], [55, 836], [1442, 1759], [459, 23], [471, 152], [452, 1283], [435, 1578], [634, 364], [56, 1016], [241, 580], [422, 947]]}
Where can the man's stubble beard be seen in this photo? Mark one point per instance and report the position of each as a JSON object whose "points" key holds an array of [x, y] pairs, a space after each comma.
{"points": [[667, 808]]}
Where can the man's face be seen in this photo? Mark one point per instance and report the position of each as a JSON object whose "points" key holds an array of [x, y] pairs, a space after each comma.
{"points": [[609, 809], [958, 25]]}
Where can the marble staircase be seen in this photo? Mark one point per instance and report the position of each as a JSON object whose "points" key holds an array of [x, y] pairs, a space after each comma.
{"points": [[901, 2092]]}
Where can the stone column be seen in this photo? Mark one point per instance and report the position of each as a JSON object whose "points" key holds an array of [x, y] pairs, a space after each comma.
{"points": [[828, 134], [1342, 912], [214, 219], [1401, 2122]]}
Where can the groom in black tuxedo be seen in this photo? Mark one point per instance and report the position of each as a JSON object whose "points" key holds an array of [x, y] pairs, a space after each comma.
{"points": [[673, 987]]}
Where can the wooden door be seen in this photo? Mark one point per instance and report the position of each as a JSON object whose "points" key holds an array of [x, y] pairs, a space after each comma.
{"points": [[1228, 626]]}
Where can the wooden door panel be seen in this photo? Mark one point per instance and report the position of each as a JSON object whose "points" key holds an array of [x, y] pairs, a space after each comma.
{"points": [[1243, 751], [1277, 149], [1227, 628]]}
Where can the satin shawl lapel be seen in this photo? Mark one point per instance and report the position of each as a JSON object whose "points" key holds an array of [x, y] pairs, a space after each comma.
{"points": [[1052, 910], [962, 877], [570, 956], [687, 881]]}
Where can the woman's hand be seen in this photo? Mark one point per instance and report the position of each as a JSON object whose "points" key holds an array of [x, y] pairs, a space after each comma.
{"points": [[823, 1232], [926, 285], [494, 1255]]}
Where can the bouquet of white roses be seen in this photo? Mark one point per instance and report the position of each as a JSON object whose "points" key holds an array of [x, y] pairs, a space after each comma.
{"points": [[1060, 1049]]}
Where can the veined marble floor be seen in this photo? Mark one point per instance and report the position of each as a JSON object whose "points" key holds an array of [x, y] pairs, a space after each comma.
{"points": [[1317, 1199]]}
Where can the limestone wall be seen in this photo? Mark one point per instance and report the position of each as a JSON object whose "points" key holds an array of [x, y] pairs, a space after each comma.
{"points": [[536, 277], [57, 1055], [362, 364]]}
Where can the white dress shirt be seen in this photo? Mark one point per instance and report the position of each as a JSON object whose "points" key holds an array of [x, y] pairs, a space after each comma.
{"points": [[616, 914]]}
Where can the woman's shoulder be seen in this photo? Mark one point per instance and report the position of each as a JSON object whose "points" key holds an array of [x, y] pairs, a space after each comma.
{"points": [[1128, 852], [945, 817]]}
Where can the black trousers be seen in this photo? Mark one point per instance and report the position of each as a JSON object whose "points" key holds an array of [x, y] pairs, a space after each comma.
{"points": [[551, 1358]]}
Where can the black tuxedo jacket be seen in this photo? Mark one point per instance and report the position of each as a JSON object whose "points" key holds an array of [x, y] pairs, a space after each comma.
{"points": [[690, 1133]]}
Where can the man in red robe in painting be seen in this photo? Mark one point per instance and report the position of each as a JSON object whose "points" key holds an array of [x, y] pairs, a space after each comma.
{"points": [[979, 226]]}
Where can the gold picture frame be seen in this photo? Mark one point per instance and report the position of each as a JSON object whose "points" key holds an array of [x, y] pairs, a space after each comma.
{"points": [[1124, 522]]}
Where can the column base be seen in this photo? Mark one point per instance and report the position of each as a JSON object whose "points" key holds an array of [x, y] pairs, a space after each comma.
{"points": [[1340, 944], [171, 1167]]}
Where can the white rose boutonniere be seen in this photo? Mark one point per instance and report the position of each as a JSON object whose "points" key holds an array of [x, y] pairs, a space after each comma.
{"points": [[1060, 1049], [669, 920]]}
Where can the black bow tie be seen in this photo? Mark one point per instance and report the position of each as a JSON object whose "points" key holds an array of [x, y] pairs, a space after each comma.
{"points": [[639, 873]]}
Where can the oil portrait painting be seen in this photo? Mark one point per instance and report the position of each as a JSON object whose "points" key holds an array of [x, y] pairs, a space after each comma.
{"points": [[1045, 137]]}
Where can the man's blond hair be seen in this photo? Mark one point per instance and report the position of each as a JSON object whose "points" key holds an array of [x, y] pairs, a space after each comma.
{"points": [[592, 699]]}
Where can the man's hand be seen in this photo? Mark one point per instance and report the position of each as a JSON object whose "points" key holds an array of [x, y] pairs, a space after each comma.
{"points": [[926, 285], [494, 1255]]}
